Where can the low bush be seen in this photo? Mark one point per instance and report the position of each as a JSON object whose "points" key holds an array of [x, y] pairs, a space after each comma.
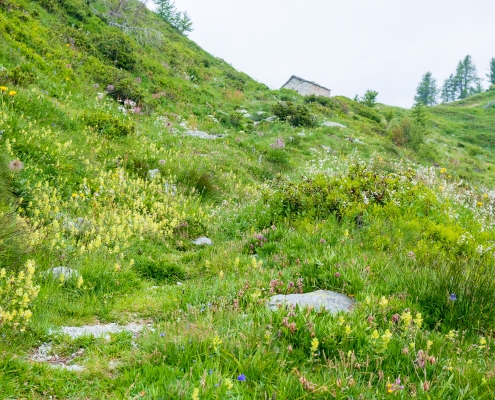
{"points": [[367, 112], [19, 76], [109, 125], [295, 114], [118, 48]]}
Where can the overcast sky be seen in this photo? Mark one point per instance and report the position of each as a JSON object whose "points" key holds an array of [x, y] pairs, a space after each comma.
{"points": [[348, 46]]}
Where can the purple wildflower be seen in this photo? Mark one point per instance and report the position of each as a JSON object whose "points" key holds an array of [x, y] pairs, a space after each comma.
{"points": [[241, 378], [453, 297]]}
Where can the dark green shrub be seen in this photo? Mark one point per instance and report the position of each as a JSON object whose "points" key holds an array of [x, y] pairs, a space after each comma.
{"points": [[19, 76], [295, 114], [119, 84], [407, 134], [78, 9], [368, 113], [240, 122], [324, 101], [117, 48], [108, 125]]}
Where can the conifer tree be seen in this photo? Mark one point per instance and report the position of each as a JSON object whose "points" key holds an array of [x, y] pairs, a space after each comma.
{"points": [[179, 20], [427, 91], [491, 72], [449, 89], [466, 78]]}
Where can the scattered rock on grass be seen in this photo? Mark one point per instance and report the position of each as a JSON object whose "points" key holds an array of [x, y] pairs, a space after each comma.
{"points": [[98, 330], [152, 173], [202, 241], [203, 135], [330, 301], [44, 354], [271, 119], [336, 124], [67, 272]]}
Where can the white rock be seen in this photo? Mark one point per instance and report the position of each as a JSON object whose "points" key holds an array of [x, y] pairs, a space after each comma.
{"points": [[202, 241], [271, 119], [203, 135], [153, 173], [321, 299], [330, 123], [98, 330], [67, 272]]}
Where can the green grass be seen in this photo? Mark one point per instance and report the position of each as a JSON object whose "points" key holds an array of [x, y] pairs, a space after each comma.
{"points": [[289, 208]]}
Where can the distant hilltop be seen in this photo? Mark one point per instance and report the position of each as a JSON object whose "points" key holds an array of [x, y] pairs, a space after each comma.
{"points": [[306, 88]]}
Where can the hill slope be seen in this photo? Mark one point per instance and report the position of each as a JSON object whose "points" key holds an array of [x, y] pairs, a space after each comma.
{"points": [[104, 172]]}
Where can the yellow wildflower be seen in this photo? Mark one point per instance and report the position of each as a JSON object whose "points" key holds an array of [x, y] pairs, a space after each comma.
{"points": [[348, 329], [80, 282], [482, 343], [429, 343], [418, 320], [228, 383], [375, 335], [386, 338], [383, 302], [3, 88], [443, 170], [314, 345], [450, 335], [479, 203], [406, 318], [12, 93], [195, 394], [216, 342], [220, 274]]}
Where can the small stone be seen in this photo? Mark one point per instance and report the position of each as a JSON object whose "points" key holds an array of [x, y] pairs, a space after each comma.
{"points": [[336, 124], [246, 115], [67, 272], [203, 135], [202, 241], [271, 119], [98, 330], [153, 173], [321, 299]]}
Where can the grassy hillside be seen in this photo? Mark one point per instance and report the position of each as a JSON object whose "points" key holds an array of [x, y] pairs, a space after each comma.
{"points": [[100, 173]]}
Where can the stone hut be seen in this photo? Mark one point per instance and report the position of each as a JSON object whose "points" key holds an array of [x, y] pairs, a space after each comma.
{"points": [[306, 88]]}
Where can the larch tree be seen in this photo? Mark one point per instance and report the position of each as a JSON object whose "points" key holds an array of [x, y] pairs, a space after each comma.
{"points": [[427, 90], [491, 72]]}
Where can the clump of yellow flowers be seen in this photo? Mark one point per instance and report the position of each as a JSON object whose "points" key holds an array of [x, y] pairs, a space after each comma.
{"points": [[16, 295]]}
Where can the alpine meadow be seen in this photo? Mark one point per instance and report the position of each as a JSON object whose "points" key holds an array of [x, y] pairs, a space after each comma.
{"points": [[154, 200]]}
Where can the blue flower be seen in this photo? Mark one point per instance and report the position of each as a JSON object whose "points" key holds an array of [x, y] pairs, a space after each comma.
{"points": [[241, 378], [453, 297], [162, 334]]}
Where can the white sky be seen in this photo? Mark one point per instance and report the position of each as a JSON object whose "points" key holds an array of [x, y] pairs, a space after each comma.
{"points": [[348, 46]]}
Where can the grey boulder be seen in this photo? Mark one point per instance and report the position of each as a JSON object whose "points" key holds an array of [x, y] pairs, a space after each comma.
{"points": [[321, 299], [202, 241]]}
